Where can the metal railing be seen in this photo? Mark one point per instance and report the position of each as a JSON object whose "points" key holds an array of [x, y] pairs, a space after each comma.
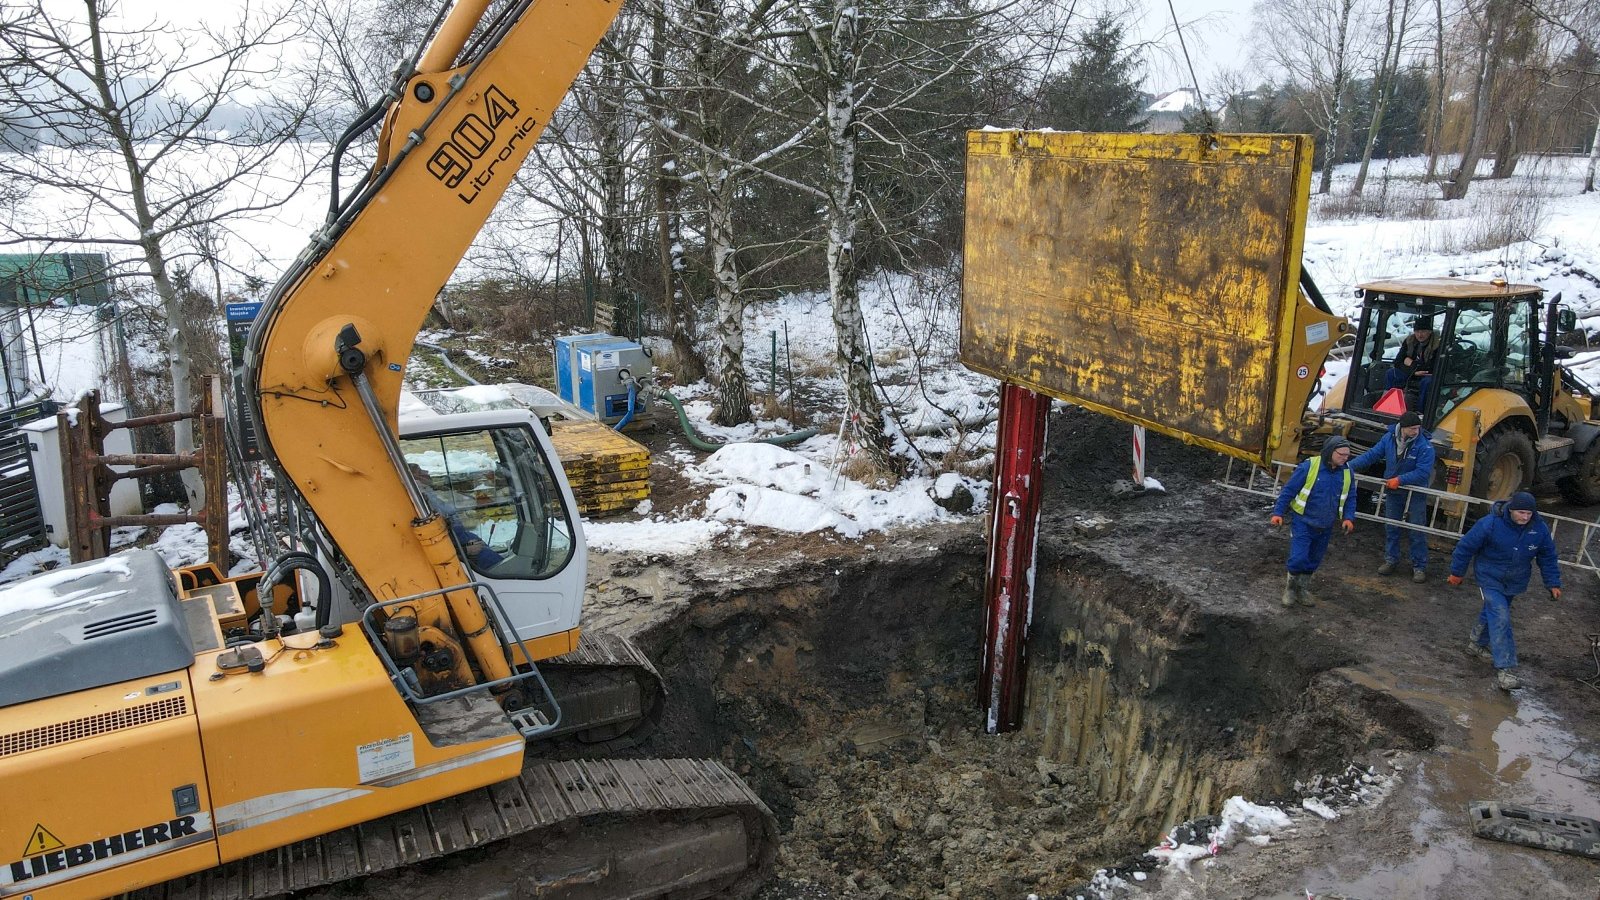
{"points": [[1449, 515]]}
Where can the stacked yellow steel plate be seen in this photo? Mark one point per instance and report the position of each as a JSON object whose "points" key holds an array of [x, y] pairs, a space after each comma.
{"points": [[609, 472]]}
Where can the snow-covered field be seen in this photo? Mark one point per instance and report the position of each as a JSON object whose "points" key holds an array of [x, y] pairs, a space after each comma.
{"points": [[1396, 230]]}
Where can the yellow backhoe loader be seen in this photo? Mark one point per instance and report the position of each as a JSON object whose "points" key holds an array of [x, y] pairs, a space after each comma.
{"points": [[1505, 415], [163, 732]]}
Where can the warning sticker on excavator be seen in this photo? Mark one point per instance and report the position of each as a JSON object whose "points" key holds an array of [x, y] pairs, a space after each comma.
{"points": [[42, 841], [390, 756]]}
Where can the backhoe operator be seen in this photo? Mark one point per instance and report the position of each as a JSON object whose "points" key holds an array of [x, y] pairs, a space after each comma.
{"points": [[1418, 356], [478, 552]]}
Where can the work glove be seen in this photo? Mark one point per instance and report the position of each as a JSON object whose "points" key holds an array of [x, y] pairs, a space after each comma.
{"points": [[1393, 483], [1349, 525], [1454, 579], [1277, 520], [1555, 593]]}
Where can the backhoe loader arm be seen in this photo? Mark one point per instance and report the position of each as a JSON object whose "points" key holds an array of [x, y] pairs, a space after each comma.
{"points": [[328, 352]]}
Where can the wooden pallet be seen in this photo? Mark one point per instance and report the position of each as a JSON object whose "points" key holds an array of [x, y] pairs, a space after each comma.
{"points": [[609, 472]]}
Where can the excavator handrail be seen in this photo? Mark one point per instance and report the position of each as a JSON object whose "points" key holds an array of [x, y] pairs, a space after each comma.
{"points": [[371, 627]]}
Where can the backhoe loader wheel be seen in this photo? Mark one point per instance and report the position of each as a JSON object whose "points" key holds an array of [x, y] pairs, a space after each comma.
{"points": [[1504, 464], [1583, 486]]}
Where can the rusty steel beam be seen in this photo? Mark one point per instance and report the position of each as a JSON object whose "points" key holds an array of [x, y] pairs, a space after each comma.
{"points": [[143, 519], [1013, 533]]}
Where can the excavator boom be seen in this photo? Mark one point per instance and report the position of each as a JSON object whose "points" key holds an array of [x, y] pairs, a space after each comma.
{"points": [[330, 347]]}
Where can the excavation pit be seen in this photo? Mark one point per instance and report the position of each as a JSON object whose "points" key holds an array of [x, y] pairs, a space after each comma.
{"points": [[845, 695]]}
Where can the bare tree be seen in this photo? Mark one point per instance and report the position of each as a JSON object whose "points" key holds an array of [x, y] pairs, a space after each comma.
{"points": [[1576, 74], [1440, 92], [1499, 32], [1385, 75], [1317, 43], [147, 136]]}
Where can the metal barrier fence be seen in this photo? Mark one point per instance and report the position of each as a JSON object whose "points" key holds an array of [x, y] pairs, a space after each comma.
{"points": [[1449, 515]]}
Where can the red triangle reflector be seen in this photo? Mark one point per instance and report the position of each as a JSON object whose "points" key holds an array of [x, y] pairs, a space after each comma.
{"points": [[1392, 403]]}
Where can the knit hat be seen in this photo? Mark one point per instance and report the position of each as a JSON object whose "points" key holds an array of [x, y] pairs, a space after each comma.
{"points": [[1522, 500], [1409, 419]]}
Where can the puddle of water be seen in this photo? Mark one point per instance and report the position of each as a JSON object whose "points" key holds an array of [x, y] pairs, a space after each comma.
{"points": [[1517, 750]]}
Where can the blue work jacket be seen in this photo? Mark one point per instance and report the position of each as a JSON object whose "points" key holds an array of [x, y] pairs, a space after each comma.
{"points": [[1415, 468], [1505, 552], [1322, 504]]}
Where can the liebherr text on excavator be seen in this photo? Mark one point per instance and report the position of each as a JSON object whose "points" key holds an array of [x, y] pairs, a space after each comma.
{"points": [[161, 732]]}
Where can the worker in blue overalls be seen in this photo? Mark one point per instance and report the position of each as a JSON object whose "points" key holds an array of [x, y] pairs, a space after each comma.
{"points": [[1320, 495], [1406, 452], [1502, 548]]}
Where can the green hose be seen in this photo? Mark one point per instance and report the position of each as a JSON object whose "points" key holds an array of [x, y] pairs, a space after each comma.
{"points": [[780, 440]]}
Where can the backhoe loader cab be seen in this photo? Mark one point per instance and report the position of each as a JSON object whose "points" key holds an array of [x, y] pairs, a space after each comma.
{"points": [[1500, 420]]}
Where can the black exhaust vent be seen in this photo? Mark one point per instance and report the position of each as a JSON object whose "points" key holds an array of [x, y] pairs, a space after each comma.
{"points": [[118, 624]]}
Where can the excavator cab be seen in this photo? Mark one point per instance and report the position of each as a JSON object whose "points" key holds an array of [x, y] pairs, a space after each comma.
{"points": [[511, 514]]}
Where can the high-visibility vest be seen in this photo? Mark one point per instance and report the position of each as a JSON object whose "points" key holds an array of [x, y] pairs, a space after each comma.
{"points": [[1299, 504]]}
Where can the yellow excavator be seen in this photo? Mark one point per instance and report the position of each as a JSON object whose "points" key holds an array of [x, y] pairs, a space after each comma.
{"points": [[168, 733]]}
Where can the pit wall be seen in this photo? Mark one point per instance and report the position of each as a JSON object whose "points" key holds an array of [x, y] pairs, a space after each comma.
{"points": [[1169, 710]]}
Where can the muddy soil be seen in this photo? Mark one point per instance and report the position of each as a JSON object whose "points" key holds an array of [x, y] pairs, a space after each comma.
{"points": [[1404, 640], [846, 701], [838, 678]]}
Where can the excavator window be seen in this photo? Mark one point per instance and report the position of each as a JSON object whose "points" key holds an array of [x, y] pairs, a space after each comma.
{"points": [[496, 492]]}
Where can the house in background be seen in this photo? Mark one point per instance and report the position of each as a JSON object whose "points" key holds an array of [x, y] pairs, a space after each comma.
{"points": [[1167, 111]]}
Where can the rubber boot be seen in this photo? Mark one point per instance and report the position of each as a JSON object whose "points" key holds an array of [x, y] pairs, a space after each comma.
{"points": [[1291, 587], [1303, 595]]}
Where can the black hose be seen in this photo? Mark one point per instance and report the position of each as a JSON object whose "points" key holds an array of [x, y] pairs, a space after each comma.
{"points": [[304, 562]]}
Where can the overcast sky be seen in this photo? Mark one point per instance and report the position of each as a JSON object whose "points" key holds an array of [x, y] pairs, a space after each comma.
{"points": [[1217, 32]]}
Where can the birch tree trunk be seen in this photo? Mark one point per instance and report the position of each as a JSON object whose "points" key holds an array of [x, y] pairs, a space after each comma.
{"points": [[718, 187], [1337, 108], [733, 394], [1594, 157], [864, 424]]}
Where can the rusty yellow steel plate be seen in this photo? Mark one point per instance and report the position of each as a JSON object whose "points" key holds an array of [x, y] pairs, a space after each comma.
{"points": [[1149, 277]]}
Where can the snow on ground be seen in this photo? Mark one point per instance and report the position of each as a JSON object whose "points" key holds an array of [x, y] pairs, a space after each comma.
{"points": [[657, 536], [761, 484]]}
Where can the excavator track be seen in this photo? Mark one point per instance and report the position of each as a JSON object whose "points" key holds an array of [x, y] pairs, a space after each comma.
{"points": [[581, 829], [610, 693]]}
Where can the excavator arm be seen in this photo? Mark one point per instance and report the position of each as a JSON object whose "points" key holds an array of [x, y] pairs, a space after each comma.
{"points": [[327, 356]]}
